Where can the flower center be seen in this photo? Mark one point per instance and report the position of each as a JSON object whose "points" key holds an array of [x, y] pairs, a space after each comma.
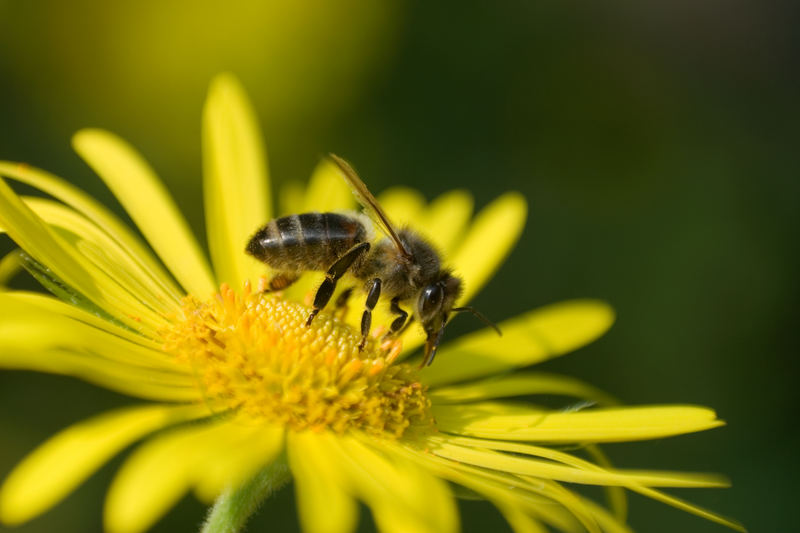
{"points": [[255, 353]]}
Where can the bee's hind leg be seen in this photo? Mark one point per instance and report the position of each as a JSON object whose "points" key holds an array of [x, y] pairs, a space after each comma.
{"points": [[341, 302], [280, 281], [336, 271]]}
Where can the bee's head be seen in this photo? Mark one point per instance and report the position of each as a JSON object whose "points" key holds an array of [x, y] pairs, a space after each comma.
{"points": [[434, 304]]}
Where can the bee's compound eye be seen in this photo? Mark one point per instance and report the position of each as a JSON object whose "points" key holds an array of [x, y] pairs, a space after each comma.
{"points": [[430, 301]]}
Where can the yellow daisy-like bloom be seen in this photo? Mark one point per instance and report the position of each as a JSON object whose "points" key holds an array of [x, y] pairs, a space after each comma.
{"points": [[241, 395]]}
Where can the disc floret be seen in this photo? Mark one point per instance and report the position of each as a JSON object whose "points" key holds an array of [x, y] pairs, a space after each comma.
{"points": [[253, 353]]}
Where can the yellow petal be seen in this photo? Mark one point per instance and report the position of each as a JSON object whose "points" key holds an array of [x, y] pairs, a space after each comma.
{"points": [[520, 384], [95, 212], [491, 237], [519, 521], [51, 305], [55, 254], [33, 338], [27, 326], [54, 469], [256, 446], [324, 504], [515, 422], [327, 190], [199, 456], [402, 496], [608, 522], [403, 206], [100, 249], [149, 204], [445, 221], [567, 498], [542, 499], [158, 473], [536, 336], [9, 267], [616, 496], [527, 466], [134, 381], [291, 198], [690, 508], [236, 182]]}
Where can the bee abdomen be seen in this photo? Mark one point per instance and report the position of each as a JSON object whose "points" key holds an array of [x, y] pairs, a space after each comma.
{"points": [[310, 241]]}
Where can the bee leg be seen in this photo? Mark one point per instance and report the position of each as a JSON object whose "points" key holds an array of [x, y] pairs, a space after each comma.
{"points": [[405, 326], [399, 322], [373, 293], [341, 301], [281, 280], [336, 271]]}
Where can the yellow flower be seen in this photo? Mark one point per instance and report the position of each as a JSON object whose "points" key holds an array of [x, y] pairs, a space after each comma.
{"points": [[241, 395]]}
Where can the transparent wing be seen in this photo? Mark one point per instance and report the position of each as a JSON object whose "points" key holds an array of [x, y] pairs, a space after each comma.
{"points": [[368, 202]]}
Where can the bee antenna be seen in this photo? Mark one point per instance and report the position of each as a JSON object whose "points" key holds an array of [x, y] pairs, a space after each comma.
{"points": [[480, 316]]}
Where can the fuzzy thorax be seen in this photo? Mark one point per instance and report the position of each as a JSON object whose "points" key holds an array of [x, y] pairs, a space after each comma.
{"points": [[255, 354]]}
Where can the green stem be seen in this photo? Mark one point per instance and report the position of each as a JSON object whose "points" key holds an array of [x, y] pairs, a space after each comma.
{"points": [[234, 506]]}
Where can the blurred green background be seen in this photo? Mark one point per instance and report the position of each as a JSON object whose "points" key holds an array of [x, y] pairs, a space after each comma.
{"points": [[655, 141]]}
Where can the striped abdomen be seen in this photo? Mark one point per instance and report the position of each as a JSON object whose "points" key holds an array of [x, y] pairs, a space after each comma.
{"points": [[311, 241]]}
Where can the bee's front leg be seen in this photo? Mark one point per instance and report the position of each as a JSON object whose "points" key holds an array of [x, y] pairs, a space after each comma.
{"points": [[400, 321]]}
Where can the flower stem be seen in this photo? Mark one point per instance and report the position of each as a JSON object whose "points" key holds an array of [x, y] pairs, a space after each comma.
{"points": [[234, 506]]}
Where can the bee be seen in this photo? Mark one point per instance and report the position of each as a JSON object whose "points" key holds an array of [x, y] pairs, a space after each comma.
{"points": [[402, 267]]}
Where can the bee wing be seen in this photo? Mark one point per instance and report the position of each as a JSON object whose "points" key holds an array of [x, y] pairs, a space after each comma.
{"points": [[368, 202]]}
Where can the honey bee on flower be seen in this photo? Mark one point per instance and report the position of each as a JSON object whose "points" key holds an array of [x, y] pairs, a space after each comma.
{"points": [[403, 264], [218, 365]]}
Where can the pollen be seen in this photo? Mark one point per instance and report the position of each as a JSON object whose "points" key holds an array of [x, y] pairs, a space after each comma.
{"points": [[253, 353]]}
